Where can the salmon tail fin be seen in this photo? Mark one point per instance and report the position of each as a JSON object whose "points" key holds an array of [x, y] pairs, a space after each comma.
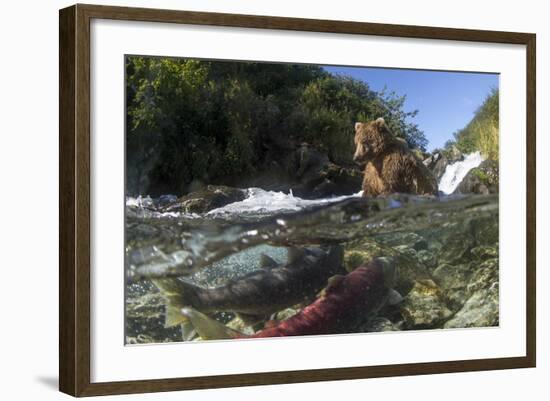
{"points": [[208, 328], [177, 294], [173, 317], [188, 332]]}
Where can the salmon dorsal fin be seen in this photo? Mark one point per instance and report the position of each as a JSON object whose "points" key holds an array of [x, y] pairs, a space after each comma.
{"points": [[208, 328], [267, 261], [334, 282]]}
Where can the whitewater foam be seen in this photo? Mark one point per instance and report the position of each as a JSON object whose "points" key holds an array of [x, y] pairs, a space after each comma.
{"points": [[259, 202]]}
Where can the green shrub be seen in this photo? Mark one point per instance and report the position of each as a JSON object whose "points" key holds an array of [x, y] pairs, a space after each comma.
{"points": [[200, 121], [482, 132]]}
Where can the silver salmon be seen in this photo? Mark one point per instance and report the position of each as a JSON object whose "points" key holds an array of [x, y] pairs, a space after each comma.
{"points": [[260, 293]]}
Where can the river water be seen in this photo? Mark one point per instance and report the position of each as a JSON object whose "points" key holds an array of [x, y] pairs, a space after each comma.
{"points": [[447, 247]]}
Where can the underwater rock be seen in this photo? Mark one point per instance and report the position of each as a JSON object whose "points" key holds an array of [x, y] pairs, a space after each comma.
{"points": [[237, 323], [485, 252], [482, 307], [406, 250], [480, 310], [424, 306], [359, 252], [379, 324], [202, 201], [407, 239], [483, 179], [409, 269], [453, 279], [145, 314], [461, 282], [420, 245], [484, 277], [140, 339], [485, 231], [427, 258], [457, 246], [459, 239], [288, 312]]}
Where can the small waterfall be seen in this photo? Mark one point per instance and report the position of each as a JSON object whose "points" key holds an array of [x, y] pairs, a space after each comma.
{"points": [[455, 173]]}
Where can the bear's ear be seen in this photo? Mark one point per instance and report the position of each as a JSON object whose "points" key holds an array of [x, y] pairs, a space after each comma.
{"points": [[358, 125], [380, 121]]}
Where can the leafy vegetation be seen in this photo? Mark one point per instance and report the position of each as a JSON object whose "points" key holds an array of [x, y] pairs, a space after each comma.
{"points": [[194, 121], [481, 133]]}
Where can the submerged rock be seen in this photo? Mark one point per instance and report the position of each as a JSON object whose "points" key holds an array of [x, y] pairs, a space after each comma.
{"points": [[202, 201], [409, 269], [485, 252], [424, 306], [379, 324], [472, 288], [453, 279], [145, 314], [240, 325], [484, 279], [480, 310], [407, 239], [457, 245], [428, 258], [485, 231], [288, 312]]}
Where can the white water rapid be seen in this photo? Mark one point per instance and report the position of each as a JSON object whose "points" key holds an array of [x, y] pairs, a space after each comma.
{"points": [[455, 173]]}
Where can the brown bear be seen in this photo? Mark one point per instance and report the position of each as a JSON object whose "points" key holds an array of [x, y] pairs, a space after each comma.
{"points": [[390, 166]]}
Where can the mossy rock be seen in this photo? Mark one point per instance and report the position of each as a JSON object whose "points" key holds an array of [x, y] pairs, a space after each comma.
{"points": [[485, 230], [461, 282], [424, 306], [483, 179], [408, 239], [457, 246], [379, 324], [202, 201], [409, 269], [237, 323], [428, 258], [288, 312], [484, 252], [484, 276], [453, 279], [480, 310]]}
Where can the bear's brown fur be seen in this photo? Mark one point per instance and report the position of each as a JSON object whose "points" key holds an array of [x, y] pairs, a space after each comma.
{"points": [[390, 166]]}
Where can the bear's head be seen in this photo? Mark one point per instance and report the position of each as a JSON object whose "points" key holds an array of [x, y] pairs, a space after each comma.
{"points": [[370, 140]]}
